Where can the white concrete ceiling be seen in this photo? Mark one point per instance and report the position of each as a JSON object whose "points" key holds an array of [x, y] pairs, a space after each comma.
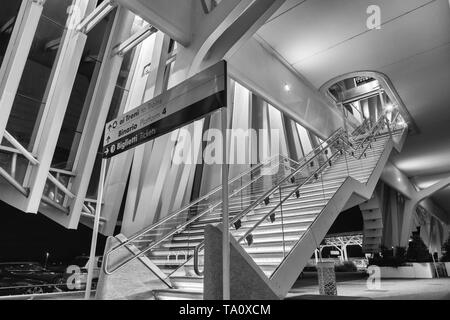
{"points": [[323, 39]]}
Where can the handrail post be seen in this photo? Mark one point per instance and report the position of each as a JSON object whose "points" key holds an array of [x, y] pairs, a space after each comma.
{"points": [[225, 220], [98, 209], [282, 222], [389, 127], [13, 165]]}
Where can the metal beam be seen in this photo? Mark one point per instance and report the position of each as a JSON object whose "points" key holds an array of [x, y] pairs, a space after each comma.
{"points": [[98, 110], [362, 96], [16, 56], [97, 15], [134, 40], [13, 181], [58, 92]]}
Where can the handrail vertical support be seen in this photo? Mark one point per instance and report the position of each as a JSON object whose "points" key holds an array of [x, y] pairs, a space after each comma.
{"points": [[98, 208], [13, 165], [225, 223]]}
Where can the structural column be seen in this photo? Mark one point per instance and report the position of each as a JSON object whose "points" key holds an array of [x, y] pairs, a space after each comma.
{"points": [[408, 214], [58, 94], [16, 56], [98, 111]]}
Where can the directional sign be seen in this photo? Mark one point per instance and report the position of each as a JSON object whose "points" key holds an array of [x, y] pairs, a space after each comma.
{"points": [[179, 106]]}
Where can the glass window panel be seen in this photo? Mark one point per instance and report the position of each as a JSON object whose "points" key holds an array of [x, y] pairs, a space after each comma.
{"points": [[276, 129], [30, 98], [304, 139], [119, 97], [76, 113], [8, 15]]}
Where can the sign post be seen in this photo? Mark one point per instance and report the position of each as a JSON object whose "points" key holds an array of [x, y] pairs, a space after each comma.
{"points": [[225, 219], [193, 99], [98, 208]]}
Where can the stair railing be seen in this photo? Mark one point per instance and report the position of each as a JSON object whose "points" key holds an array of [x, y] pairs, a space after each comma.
{"points": [[322, 149], [334, 140], [374, 132], [187, 223]]}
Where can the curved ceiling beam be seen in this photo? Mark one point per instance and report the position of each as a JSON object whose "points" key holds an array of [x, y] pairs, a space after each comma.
{"points": [[161, 14], [237, 23]]}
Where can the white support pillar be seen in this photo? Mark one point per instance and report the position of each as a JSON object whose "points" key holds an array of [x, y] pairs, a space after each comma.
{"points": [[394, 218], [119, 166], [58, 93], [344, 251], [16, 56], [316, 255], [139, 209], [406, 228], [98, 111], [225, 219]]}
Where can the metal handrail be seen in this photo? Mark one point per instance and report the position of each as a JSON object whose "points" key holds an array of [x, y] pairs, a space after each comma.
{"points": [[287, 197], [21, 149], [184, 225], [202, 244], [363, 124], [260, 199], [64, 172], [370, 136], [324, 145]]}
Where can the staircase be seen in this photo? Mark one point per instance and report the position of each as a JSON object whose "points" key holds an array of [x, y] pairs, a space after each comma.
{"points": [[373, 225], [269, 214]]}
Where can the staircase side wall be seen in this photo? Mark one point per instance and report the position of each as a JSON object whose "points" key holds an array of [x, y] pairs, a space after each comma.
{"points": [[247, 281], [135, 281]]}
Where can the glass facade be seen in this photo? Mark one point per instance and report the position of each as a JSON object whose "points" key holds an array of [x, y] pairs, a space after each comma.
{"points": [[8, 17], [248, 110], [77, 108], [30, 100]]}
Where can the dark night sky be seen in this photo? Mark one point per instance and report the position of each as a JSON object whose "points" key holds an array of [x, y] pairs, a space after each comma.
{"points": [[348, 221], [27, 237]]}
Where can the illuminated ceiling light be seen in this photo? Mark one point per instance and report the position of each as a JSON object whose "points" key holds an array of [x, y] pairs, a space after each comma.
{"points": [[287, 87], [399, 179]]}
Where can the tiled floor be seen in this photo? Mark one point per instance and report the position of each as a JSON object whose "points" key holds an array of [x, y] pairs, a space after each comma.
{"points": [[410, 289]]}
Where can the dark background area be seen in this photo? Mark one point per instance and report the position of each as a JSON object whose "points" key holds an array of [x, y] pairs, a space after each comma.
{"points": [[27, 237], [348, 221]]}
